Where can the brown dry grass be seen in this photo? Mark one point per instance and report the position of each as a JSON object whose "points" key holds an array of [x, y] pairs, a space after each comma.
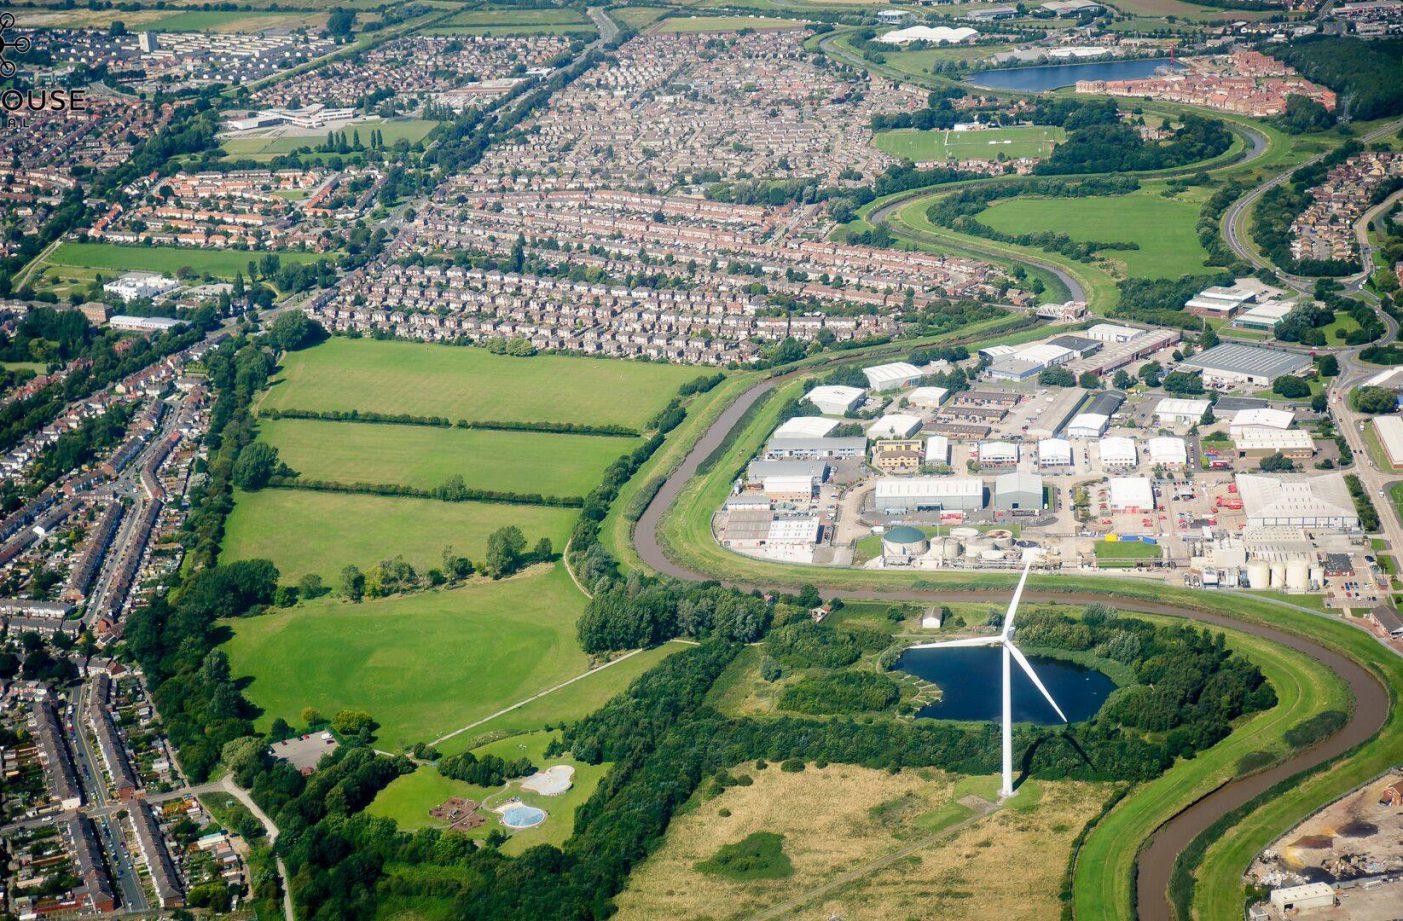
{"points": [[842, 817]]}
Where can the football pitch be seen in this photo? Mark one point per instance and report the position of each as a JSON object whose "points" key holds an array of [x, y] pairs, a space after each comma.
{"points": [[1013, 143]]}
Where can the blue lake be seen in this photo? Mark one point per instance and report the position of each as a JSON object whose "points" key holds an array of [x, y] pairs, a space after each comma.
{"points": [[1044, 77], [972, 682]]}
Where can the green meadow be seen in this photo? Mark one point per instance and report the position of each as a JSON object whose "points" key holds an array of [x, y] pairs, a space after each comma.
{"points": [[1012, 143]]}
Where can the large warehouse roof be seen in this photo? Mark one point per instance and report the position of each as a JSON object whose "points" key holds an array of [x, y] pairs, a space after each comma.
{"points": [[1177, 406], [907, 487], [1253, 360], [1262, 418], [1390, 432], [1131, 492], [1307, 498], [891, 376], [805, 427], [1055, 451], [1118, 450], [834, 398], [1168, 450], [928, 34]]}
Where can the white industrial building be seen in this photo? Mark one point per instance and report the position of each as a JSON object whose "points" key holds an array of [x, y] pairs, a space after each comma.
{"points": [[1176, 410], [1132, 494], [834, 400], [1054, 452], [1167, 451], [1297, 500], [805, 427], [788, 488], [898, 495], [937, 450], [1303, 898], [1110, 332], [142, 324], [1390, 432], [1265, 317], [1220, 302], [1018, 492], [1088, 425], [1260, 441], [892, 376], [936, 35], [1118, 453], [1234, 365], [134, 286], [793, 531], [998, 454], [1247, 419], [928, 397], [895, 425]]}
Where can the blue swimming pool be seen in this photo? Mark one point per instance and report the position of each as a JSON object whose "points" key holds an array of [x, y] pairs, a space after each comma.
{"points": [[522, 816]]}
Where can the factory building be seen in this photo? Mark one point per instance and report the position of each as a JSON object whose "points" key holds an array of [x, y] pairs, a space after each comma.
{"points": [[1018, 493], [1132, 494], [1264, 442], [1054, 452], [893, 376], [835, 400], [896, 425], [927, 397], [1234, 365], [1178, 411], [998, 454], [1298, 500], [805, 427], [1118, 453], [937, 450], [1390, 432], [802, 448], [1167, 451], [898, 496]]}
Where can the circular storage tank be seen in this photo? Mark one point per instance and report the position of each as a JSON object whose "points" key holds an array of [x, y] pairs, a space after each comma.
{"points": [[903, 540], [1317, 574], [991, 555], [964, 533], [976, 547], [1258, 574], [1297, 575], [1278, 575], [950, 549]]}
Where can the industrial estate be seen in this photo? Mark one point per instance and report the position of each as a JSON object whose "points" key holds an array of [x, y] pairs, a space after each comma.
{"points": [[743, 459]]}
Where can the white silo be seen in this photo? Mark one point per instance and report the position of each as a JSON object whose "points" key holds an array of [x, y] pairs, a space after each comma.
{"points": [[1259, 574]]}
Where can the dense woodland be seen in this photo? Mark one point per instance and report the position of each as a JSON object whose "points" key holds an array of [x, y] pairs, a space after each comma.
{"points": [[1364, 74]]}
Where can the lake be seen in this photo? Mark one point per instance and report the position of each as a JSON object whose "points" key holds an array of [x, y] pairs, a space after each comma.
{"points": [[1046, 77], [972, 682]]}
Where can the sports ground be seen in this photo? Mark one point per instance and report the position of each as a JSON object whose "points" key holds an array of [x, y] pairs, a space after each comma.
{"points": [[411, 130], [988, 144]]}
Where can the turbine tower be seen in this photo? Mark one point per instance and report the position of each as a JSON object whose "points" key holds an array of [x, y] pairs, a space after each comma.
{"points": [[1010, 652]]}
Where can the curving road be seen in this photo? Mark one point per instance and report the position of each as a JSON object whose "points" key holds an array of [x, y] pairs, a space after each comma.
{"points": [[1156, 862]]}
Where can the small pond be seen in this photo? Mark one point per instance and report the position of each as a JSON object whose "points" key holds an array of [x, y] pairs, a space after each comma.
{"points": [[972, 682]]}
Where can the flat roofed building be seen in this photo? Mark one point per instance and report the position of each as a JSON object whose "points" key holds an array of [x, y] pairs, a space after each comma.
{"points": [[1081, 345], [1244, 419], [1175, 410], [927, 396], [801, 448], [1232, 364], [1132, 494], [1298, 500], [1054, 452], [1048, 354], [895, 425], [1303, 898], [1167, 451], [1014, 368], [891, 376], [747, 528], [1390, 432], [937, 450], [789, 488], [805, 427], [998, 454], [1220, 302], [835, 399], [909, 494], [1111, 332], [759, 469], [1266, 317], [1118, 452], [793, 531], [1088, 425], [1263, 442], [1018, 492]]}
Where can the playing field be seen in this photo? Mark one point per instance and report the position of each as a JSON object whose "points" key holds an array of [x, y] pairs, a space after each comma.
{"points": [[168, 259], [411, 130], [470, 383], [423, 457], [729, 24], [1011, 143], [321, 532], [1164, 228], [1127, 550], [422, 665], [636, 16]]}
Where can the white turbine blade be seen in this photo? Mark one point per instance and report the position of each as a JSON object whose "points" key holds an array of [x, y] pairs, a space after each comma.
{"points": [[1028, 667], [971, 641], [1017, 594]]}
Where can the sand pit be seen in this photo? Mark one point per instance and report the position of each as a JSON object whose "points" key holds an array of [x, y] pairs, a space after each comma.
{"points": [[553, 781]]}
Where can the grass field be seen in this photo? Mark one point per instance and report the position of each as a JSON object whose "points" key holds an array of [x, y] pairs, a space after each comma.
{"points": [[423, 457], [113, 259], [514, 17], [729, 24], [422, 665], [411, 130], [1164, 228], [1190, 11], [469, 383], [637, 17], [169, 20], [844, 818], [1127, 550], [321, 532], [1015, 142], [408, 799]]}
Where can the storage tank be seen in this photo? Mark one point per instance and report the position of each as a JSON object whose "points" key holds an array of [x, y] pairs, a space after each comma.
{"points": [[964, 534], [950, 549], [1317, 574], [1259, 574], [975, 547], [903, 541], [1297, 575], [992, 555], [1278, 575]]}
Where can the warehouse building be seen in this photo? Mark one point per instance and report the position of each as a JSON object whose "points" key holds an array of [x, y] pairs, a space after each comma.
{"points": [[895, 425], [1014, 368], [789, 488], [913, 494], [1222, 303], [805, 427], [794, 532], [1118, 453], [1054, 452], [937, 450], [1088, 425], [927, 397], [1264, 442], [893, 376], [835, 400], [1110, 332], [998, 454], [1390, 432], [802, 448], [759, 469], [1081, 345], [1264, 317], [1018, 493], [1235, 365], [1131, 494], [1248, 420], [1167, 451], [1178, 411], [747, 528], [1297, 500]]}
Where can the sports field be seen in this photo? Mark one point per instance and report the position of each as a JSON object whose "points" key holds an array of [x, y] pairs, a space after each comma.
{"points": [[729, 24], [1012, 143], [114, 258], [422, 665], [423, 457], [265, 148], [321, 532], [469, 383], [1164, 228]]}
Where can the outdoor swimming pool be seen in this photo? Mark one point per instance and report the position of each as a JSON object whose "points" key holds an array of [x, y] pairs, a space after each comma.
{"points": [[522, 816]]}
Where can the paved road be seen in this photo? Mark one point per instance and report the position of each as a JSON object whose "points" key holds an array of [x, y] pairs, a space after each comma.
{"points": [[1371, 700], [606, 26]]}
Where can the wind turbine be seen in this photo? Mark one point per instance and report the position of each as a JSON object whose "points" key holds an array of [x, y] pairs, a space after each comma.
{"points": [[1005, 640]]}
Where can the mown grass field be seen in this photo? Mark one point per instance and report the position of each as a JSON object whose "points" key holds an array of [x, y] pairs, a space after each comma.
{"points": [[1014, 142], [408, 799], [422, 665], [321, 532], [1127, 550], [411, 130], [637, 16], [424, 456], [470, 383], [113, 259], [1163, 228], [173, 20]]}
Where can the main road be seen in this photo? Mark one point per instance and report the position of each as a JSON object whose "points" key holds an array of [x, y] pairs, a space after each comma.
{"points": [[1156, 862]]}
